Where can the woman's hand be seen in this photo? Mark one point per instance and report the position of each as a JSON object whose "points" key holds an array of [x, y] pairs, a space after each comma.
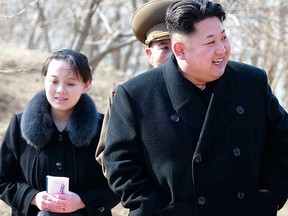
{"points": [[72, 202], [47, 202], [59, 203]]}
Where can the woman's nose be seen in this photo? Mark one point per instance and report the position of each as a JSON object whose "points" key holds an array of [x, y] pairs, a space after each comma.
{"points": [[60, 88]]}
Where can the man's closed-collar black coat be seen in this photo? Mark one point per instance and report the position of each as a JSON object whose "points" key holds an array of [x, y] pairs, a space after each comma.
{"points": [[156, 162]]}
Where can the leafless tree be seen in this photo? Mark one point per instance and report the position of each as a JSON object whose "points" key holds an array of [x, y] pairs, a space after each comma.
{"points": [[101, 29], [259, 36]]}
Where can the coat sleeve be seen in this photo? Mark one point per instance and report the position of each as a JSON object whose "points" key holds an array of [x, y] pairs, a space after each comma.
{"points": [[99, 200], [275, 161], [101, 143], [14, 191], [124, 159]]}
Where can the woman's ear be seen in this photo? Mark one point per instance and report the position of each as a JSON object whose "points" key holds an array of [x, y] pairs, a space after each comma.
{"points": [[178, 50], [87, 86]]}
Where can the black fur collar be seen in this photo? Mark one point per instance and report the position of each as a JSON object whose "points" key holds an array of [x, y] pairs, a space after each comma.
{"points": [[37, 125]]}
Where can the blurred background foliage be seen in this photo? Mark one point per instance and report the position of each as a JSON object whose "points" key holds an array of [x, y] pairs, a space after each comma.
{"points": [[101, 29]]}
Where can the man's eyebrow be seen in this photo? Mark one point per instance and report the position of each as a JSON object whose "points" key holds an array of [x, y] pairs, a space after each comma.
{"points": [[209, 36], [163, 43]]}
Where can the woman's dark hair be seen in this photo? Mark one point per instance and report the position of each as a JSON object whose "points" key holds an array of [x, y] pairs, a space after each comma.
{"points": [[182, 15], [78, 62]]}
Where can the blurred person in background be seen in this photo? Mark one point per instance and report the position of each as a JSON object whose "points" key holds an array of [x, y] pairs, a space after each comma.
{"points": [[57, 134], [200, 135]]}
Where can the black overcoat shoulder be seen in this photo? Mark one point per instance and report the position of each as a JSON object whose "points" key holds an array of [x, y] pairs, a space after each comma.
{"points": [[159, 166]]}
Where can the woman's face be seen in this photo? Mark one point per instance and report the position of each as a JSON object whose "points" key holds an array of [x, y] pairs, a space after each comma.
{"points": [[63, 89]]}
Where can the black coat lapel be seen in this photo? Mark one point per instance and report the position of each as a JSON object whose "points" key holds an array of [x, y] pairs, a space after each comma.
{"points": [[222, 106], [184, 99], [190, 108]]}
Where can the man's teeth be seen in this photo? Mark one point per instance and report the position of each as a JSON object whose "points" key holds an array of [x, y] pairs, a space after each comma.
{"points": [[217, 61]]}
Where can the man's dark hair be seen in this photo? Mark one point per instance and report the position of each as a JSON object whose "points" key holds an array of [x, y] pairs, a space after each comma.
{"points": [[182, 15]]}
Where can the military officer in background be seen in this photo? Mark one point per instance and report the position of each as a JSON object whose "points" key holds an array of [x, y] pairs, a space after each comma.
{"points": [[149, 27]]}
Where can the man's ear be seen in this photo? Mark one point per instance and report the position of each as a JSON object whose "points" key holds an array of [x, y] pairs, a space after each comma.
{"points": [[148, 52], [178, 50]]}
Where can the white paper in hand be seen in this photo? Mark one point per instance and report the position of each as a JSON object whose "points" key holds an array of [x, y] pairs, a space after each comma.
{"points": [[57, 184]]}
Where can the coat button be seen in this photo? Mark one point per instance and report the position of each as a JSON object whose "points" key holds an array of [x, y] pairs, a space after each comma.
{"points": [[59, 165], [240, 195], [201, 200], [236, 152], [198, 159], [174, 118], [240, 110], [60, 138], [101, 209]]}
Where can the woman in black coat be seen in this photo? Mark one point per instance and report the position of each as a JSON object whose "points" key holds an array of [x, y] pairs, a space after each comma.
{"points": [[57, 134]]}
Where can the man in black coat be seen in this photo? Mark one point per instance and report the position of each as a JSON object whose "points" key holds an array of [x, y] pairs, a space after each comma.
{"points": [[199, 135], [149, 27]]}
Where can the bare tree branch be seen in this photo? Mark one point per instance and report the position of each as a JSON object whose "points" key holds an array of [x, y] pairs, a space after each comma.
{"points": [[82, 35], [18, 71], [109, 47], [44, 27], [21, 11]]}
